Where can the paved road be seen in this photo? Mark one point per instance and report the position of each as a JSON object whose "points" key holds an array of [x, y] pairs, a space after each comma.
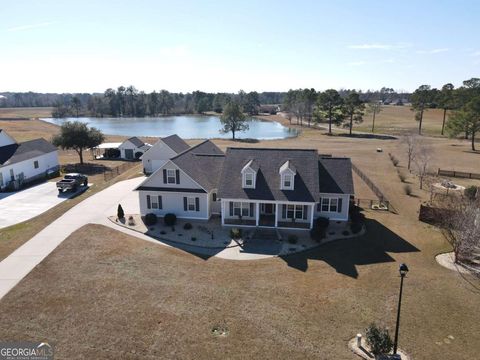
{"points": [[94, 209], [20, 206]]}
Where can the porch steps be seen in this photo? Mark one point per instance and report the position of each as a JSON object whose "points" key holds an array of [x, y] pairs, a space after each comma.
{"points": [[265, 234]]}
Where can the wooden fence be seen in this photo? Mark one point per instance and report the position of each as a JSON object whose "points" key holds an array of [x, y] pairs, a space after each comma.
{"points": [[458, 174], [111, 173], [382, 198]]}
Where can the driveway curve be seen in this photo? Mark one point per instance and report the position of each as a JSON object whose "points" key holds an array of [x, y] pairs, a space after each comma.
{"points": [[96, 210]]}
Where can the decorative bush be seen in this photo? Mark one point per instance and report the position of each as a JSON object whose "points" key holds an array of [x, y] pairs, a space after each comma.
{"points": [[120, 212], [187, 226], [150, 219], [162, 232], [471, 192], [131, 221], [378, 339], [356, 216], [170, 219], [194, 238], [345, 233], [235, 233], [407, 189], [356, 227], [321, 222], [292, 239], [112, 153]]}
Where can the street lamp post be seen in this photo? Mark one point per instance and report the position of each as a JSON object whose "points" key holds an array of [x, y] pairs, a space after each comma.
{"points": [[403, 269]]}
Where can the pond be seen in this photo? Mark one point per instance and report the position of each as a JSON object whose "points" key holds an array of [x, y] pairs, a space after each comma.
{"points": [[185, 126]]}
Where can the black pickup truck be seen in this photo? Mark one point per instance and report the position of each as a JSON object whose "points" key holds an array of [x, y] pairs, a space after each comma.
{"points": [[72, 182]]}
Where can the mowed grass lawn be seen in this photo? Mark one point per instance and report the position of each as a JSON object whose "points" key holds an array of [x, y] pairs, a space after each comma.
{"points": [[104, 294]]}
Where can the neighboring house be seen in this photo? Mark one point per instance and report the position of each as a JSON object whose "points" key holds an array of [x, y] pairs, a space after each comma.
{"points": [[133, 148], [163, 150], [24, 162], [282, 188]]}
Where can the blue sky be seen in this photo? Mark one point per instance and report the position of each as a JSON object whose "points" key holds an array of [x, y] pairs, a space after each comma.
{"points": [[88, 46]]}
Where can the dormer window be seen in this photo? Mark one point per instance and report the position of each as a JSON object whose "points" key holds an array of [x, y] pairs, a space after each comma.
{"points": [[287, 181], [248, 180], [249, 173], [287, 176]]}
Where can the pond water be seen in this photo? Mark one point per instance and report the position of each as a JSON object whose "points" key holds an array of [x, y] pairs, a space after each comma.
{"points": [[185, 126]]}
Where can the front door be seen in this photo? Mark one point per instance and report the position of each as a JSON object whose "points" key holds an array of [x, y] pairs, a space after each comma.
{"points": [[268, 209], [129, 154]]}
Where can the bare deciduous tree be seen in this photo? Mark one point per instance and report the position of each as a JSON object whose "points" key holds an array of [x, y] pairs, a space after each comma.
{"points": [[422, 159], [411, 142], [461, 226]]}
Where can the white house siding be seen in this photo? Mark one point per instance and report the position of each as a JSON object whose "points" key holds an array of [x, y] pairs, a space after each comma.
{"points": [[128, 145], [172, 202], [156, 179], [45, 162], [337, 216], [156, 156]]}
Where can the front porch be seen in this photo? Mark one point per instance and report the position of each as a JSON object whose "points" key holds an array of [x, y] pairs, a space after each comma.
{"points": [[256, 213]]}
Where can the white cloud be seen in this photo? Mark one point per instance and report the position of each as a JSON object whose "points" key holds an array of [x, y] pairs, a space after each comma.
{"points": [[476, 53], [375, 46], [433, 51], [30, 26]]}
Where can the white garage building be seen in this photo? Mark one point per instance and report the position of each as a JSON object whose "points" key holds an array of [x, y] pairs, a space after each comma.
{"points": [[24, 162]]}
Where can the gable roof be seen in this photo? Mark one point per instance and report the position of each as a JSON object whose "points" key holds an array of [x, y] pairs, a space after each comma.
{"points": [[135, 141], [335, 175], [203, 163], [267, 185], [176, 143], [16, 153]]}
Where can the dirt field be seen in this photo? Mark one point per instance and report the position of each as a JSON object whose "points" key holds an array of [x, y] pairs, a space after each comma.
{"points": [[103, 294]]}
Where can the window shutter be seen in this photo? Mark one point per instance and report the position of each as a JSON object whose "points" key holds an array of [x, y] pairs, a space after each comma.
{"points": [[149, 204], [305, 210], [164, 176], [284, 211], [251, 209], [319, 205], [184, 203], [339, 207], [214, 196], [197, 204], [177, 176], [231, 208], [160, 206]]}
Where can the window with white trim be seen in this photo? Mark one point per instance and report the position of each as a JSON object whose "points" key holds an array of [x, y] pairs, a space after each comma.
{"points": [[171, 178], [241, 208], [330, 205], [294, 211], [154, 202], [190, 203], [287, 181], [248, 179]]}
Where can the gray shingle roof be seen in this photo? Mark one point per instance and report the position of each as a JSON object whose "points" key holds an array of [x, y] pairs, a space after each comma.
{"points": [[176, 143], [16, 153], [335, 175], [136, 141], [203, 163], [306, 186]]}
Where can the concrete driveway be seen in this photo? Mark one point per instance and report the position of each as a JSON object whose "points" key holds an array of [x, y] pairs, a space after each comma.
{"points": [[23, 205]]}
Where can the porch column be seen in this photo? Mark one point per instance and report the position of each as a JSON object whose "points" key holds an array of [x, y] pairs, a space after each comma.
{"points": [[222, 212], [312, 210], [276, 214], [257, 213]]}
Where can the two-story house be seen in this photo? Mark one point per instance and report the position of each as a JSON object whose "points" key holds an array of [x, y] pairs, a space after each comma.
{"points": [[164, 149], [281, 188]]}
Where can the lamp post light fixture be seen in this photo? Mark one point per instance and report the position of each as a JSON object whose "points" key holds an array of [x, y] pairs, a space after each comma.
{"points": [[403, 270]]}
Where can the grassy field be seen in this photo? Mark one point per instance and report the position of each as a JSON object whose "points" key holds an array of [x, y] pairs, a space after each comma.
{"points": [[102, 291], [25, 113], [103, 294]]}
